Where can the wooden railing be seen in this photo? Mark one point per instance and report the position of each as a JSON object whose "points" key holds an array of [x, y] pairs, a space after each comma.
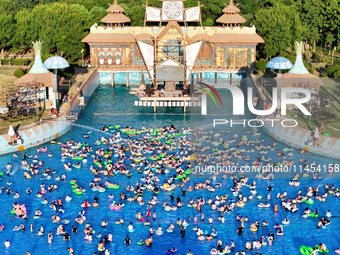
{"points": [[72, 103]]}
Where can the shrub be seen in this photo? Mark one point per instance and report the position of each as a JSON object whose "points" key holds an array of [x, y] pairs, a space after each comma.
{"points": [[336, 75], [261, 64], [311, 70], [21, 61], [316, 56], [19, 72], [331, 70], [17, 61]]}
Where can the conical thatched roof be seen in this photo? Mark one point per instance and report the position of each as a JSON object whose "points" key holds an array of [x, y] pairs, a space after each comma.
{"points": [[40, 79], [115, 18], [115, 7], [230, 15], [115, 15], [231, 8], [231, 19], [38, 75]]}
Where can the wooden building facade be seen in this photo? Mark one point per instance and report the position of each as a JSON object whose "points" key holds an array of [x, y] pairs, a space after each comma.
{"points": [[229, 46]]}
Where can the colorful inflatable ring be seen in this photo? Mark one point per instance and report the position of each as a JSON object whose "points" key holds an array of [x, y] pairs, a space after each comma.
{"points": [[304, 250], [78, 192]]}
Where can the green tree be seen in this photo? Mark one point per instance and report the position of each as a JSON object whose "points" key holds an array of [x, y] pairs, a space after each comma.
{"points": [[279, 26], [96, 14], [261, 64], [7, 31]]}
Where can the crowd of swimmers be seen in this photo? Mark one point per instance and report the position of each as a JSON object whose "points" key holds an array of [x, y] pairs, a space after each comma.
{"points": [[126, 156]]}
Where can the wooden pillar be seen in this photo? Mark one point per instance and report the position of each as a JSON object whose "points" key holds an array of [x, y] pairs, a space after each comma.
{"points": [[216, 77], [185, 108], [231, 78], [154, 107], [112, 80], [197, 77], [127, 79], [201, 77], [123, 56]]}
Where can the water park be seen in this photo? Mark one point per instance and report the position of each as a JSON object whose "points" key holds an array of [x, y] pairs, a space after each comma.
{"points": [[127, 158]]}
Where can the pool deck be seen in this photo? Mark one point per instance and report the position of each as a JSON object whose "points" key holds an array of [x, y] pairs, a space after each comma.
{"points": [[48, 130], [298, 137]]}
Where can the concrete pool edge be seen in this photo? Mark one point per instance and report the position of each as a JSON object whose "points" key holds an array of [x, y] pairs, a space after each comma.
{"points": [[297, 137], [53, 128], [36, 135]]}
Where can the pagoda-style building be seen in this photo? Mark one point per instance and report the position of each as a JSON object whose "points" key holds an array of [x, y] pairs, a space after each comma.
{"points": [[231, 16], [115, 16]]}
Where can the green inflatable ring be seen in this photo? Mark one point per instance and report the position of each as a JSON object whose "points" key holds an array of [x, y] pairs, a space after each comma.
{"points": [[327, 134], [73, 182], [77, 192], [304, 250], [140, 243], [308, 202], [168, 142], [313, 215], [180, 176], [226, 147], [110, 127], [154, 134], [1, 173], [117, 126], [187, 172], [116, 187], [12, 212], [152, 139], [74, 186]]}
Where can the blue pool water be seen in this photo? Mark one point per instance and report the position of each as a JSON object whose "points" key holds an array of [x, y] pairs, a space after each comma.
{"points": [[115, 106]]}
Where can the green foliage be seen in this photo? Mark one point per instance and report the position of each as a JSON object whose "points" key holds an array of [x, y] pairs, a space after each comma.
{"points": [[19, 72], [333, 70], [17, 61], [208, 22], [280, 26], [336, 74], [61, 24], [261, 64], [96, 14], [316, 56]]}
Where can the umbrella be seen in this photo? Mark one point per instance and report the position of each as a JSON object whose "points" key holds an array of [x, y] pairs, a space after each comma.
{"points": [[11, 131], [56, 62], [279, 63]]}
